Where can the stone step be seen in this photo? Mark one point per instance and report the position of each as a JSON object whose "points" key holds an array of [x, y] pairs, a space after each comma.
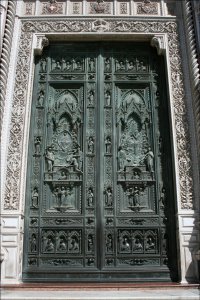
{"points": [[133, 294]]}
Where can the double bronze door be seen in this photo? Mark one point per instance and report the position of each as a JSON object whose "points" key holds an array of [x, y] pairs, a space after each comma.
{"points": [[99, 179]]}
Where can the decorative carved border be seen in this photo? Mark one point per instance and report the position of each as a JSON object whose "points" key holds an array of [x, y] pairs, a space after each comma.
{"points": [[152, 28]]}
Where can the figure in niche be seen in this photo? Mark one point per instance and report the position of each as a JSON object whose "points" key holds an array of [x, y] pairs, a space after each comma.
{"points": [[78, 65], [163, 197], [150, 245], [41, 98], [120, 65], [107, 65], [33, 243], [149, 160], [109, 197], [91, 65], [125, 246], [90, 243], [91, 97], [130, 65], [62, 245], [141, 66], [108, 98], [43, 65], [56, 193], [91, 145], [80, 158], [50, 159], [61, 196], [108, 144], [121, 159], [63, 175], [135, 197], [90, 197], [136, 174], [137, 244], [58, 65], [109, 243], [37, 145], [74, 245], [34, 198], [49, 246], [68, 66]]}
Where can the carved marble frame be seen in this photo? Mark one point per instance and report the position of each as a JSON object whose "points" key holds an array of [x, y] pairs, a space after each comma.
{"points": [[34, 36]]}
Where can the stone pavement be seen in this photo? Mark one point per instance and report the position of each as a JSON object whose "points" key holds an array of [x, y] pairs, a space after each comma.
{"points": [[132, 294]]}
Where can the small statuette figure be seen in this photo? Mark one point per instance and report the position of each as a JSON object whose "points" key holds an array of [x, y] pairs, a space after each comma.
{"points": [[91, 65], [162, 197], [108, 144], [107, 65], [90, 197], [74, 245], [109, 243], [109, 196], [137, 244], [37, 145], [34, 198], [50, 246], [121, 158], [136, 196], [68, 66], [58, 65], [108, 98], [61, 195], [150, 245], [78, 65], [120, 65], [90, 243], [91, 145], [91, 97], [50, 159], [62, 245], [125, 246], [149, 160], [33, 243], [63, 176], [130, 65], [41, 98], [43, 65]]}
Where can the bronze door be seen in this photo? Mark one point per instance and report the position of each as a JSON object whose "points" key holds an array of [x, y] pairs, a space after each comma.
{"points": [[99, 181]]}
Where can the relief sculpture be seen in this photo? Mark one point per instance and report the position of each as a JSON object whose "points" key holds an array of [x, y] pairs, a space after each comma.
{"points": [[135, 155]]}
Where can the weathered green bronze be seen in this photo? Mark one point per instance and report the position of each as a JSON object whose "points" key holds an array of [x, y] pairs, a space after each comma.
{"points": [[100, 180]]}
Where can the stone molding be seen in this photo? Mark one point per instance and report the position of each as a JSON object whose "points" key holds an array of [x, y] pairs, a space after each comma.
{"points": [[5, 53]]}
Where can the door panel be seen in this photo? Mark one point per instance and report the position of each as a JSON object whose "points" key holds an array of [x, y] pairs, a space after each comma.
{"points": [[99, 183]]}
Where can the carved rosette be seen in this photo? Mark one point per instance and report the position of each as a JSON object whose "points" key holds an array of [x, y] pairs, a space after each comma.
{"points": [[147, 7], [15, 152], [52, 7]]}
